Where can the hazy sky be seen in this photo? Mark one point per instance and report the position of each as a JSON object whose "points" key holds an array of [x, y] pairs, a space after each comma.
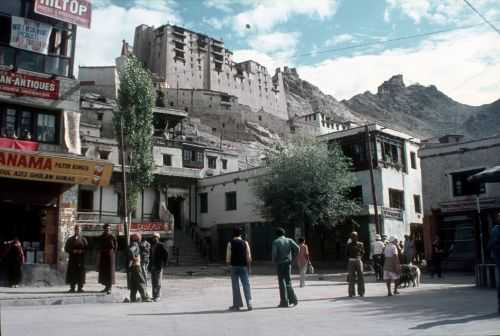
{"points": [[310, 35]]}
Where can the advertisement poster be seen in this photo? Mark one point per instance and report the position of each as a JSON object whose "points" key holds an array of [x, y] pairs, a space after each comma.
{"points": [[30, 35], [78, 12]]}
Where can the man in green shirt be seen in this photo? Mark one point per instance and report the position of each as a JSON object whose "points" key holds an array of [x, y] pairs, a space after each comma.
{"points": [[282, 253]]}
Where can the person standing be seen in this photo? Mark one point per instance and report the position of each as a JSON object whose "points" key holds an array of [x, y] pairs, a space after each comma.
{"points": [[303, 261], [145, 247], [283, 249], [106, 266], [377, 252], [392, 267], [76, 246], [14, 261], [408, 249], [136, 279], [494, 247], [157, 262], [437, 257], [239, 256], [355, 253]]}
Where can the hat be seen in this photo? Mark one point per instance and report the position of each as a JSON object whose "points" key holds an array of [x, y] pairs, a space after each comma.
{"points": [[377, 237], [156, 234], [392, 238]]}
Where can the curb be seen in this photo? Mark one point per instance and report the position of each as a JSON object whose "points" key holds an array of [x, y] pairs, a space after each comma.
{"points": [[62, 300]]}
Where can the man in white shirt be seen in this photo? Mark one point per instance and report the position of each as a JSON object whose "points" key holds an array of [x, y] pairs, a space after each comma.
{"points": [[377, 255]]}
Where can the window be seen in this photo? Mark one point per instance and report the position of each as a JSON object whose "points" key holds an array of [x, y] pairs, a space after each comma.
{"points": [[212, 162], [167, 160], [418, 204], [356, 194], [231, 200], [462, 187], [203, 203], [85, 200], [27, 124], [413, 160], [224, 163], [396, 199]]}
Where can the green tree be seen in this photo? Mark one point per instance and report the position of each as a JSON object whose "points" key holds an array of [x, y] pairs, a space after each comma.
{"points": [[136, 98], [308, 184]]}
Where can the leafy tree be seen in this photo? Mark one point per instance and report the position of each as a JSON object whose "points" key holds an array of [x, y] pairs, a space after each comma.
{"points": [[136, 99], [308, 184]]}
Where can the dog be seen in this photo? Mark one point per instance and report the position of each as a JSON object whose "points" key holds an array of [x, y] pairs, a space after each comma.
{"points": [[410, 274]]}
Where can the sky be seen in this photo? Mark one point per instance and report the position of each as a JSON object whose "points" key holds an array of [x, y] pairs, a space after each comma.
{"points": [[345, 47]]}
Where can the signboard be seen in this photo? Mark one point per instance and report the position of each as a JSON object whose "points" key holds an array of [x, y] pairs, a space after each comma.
{"points": [[146, 228], [30, 35], [47, 168], [76, 12], [28, 85]]}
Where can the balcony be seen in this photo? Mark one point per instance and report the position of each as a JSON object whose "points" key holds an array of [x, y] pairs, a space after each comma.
{"points": [[30, 61]]}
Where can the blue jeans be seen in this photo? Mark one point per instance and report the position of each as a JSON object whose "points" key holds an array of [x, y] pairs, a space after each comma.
{"points": [[240, 273]]}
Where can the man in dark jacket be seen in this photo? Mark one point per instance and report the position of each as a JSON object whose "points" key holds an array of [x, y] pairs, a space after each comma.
{"points": [[283, 251], [106, 262], [76, 246], [238, 255], [157, 262]]}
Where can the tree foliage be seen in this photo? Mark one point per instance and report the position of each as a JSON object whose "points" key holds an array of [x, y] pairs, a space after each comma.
{"points": [[136, 98], [308, 184]]}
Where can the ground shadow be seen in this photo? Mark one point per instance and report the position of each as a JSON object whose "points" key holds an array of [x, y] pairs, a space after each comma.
{"points": [[456, 321], [203, 312]]}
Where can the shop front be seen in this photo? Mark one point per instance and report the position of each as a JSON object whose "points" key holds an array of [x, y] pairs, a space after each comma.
{"points": [[38, 201]]}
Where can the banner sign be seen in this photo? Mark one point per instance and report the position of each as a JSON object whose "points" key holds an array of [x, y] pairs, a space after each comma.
{"points": [[28, 85], [72, 132], [146, 228], [30, 35], [47, 168], [78, 12]]}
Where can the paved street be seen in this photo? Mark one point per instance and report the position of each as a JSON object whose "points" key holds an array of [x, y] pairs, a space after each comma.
{"points": [[197, 306]]}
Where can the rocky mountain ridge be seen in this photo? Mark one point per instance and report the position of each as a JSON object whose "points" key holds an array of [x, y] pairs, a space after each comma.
{"points": [[423, 111]]}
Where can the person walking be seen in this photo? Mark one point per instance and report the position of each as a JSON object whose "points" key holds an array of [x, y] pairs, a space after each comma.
{"points": [[355, 253], [392, 267], [106, 261], [76, 247], [158, 262], [283, 249], [377, 253], [239, 256], [136, 281], [303, 260], [409, 249], [14, 260], [437, 257], [494, 247], [145, 247]]}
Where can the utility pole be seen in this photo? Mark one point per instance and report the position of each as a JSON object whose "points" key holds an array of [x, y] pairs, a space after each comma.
{"points": [[124, 184], [372, 181]]}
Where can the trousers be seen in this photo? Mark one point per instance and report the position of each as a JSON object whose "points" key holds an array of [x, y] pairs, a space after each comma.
{"points": [[355, 270], [240, 273], [156, 277], [287, 295]]}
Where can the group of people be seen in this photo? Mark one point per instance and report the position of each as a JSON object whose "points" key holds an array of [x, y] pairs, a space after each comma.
{"points": [[142, 258], [284, 252]]}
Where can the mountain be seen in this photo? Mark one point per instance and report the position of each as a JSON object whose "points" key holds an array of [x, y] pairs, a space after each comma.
{"points": [[423, 111], [304, 98]]}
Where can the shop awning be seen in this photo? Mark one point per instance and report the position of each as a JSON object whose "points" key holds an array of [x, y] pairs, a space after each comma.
{"points": [[57, 168]]}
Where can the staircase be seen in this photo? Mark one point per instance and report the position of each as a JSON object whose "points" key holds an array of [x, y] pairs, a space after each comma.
{"points": [[189, 254]]}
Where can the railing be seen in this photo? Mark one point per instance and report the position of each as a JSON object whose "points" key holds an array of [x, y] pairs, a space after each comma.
{"points": [[23, 59], [393, 213]]}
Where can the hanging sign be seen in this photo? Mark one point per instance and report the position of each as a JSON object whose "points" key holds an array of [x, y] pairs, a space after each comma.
{"points": [[14, 82], [30, 35], [76, 12]]}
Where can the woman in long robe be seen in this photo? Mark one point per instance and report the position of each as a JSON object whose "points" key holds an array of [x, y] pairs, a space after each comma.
{"points": [[106, 260]]}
